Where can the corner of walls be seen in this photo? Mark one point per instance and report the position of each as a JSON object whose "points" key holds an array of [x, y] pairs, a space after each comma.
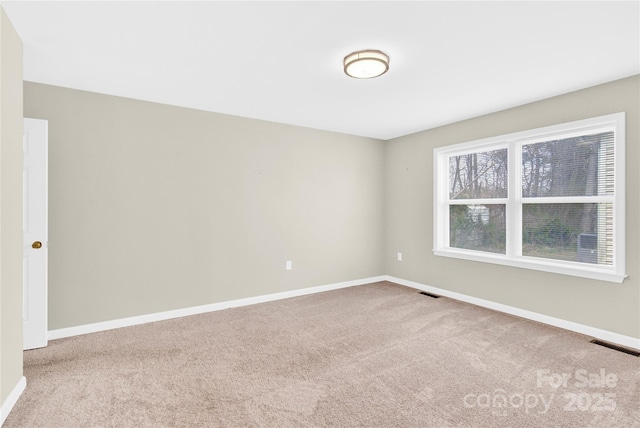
{"points": [[409, 216], [11, 379], [193, 207], [196, 310]]}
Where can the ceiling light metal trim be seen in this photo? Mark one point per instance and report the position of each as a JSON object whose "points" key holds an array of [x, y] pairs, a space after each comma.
{"points": [[366, 64]]}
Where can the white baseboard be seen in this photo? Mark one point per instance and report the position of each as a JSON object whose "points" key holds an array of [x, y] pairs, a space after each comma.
{"points": [[161, 316], [12, 399], [628, 341], [597, 333]]}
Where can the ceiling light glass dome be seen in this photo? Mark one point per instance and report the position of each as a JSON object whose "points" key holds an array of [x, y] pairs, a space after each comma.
{"points": [[366, 64]]}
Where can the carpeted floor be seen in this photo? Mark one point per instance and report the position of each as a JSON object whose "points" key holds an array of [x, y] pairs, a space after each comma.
{"points": [[379, 355]]}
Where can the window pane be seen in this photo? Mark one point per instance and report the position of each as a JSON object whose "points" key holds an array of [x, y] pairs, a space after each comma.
{"points": [[478, 175], [478, 227], [572, 232], [578, 166]]}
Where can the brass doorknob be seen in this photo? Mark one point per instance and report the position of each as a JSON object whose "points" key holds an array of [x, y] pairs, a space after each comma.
{"points": [[36, 245]]}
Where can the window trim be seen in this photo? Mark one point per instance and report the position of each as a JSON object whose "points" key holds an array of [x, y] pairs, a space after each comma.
{"points": [[513, 203]]}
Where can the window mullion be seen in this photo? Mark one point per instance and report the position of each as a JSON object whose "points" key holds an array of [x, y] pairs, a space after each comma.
{"points": [[558, 231], [514, 203], [485, 201]]}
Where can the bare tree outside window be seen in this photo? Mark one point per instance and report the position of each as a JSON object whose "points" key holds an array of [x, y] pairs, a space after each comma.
{"points": [[578, 166], [550, 199], [481, 175]]}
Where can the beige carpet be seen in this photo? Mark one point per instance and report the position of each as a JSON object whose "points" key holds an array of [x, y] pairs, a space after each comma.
{"points": [[380, 355]]}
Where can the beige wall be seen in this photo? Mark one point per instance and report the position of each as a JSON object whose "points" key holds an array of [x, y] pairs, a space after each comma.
{"points": [[10, 207], [154, 207], [409, 208]]}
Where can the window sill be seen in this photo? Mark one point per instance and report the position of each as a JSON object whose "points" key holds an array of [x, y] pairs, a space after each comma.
{"points": [[582, 270]]}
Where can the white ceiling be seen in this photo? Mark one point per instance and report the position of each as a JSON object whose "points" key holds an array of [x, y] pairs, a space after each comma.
{"points": [[282, 61]]}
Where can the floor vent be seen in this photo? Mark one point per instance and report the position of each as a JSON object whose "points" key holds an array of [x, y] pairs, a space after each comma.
{"points": [[424, 293], [617, 347]]}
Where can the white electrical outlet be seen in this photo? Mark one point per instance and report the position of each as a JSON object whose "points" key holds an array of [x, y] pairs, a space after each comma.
{"points": [[289, 265], [399, 257]]}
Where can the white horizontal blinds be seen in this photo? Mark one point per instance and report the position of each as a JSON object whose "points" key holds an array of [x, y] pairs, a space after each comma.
{"points": [[605, 215], [553, 197], [605, 234], [576, 166], [606, 162], [571, 232], [580, 166]]}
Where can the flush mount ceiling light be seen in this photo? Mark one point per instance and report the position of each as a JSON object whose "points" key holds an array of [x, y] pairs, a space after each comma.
{"points": [[366, 64]]}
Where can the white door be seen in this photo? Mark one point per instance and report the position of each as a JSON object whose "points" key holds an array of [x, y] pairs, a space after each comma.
{"points": [[34, 265]]}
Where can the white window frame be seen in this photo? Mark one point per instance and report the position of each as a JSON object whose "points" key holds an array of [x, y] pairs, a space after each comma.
{"points": [[514, 202]]}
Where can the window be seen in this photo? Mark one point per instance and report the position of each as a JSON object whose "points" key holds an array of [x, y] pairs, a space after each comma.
{"points": [[550, 199]]}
